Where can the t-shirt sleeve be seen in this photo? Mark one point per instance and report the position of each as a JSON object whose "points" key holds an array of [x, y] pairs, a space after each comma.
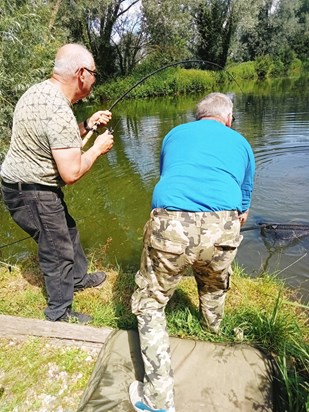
{"points": [[62, 129]]}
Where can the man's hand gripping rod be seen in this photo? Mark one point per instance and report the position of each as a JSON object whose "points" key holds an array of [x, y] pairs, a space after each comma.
{"points": [[92, 130]]}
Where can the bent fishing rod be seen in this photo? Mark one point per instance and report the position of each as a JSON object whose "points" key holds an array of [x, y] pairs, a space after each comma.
{"points": [[95, 126]]}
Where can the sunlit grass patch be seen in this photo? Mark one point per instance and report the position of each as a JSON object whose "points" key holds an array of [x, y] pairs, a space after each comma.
{"points": [[21, 294], [36, 375]]}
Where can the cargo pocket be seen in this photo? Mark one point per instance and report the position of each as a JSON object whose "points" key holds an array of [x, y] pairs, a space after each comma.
{"points": [[229, 244], [168, 246], [224, 253]]}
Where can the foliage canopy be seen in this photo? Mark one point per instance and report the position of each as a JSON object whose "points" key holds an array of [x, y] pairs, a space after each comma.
{"points": [[130, 36]]}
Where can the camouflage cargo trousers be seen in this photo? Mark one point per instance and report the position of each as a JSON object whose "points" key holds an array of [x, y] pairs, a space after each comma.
{"points": [[173, 240]]}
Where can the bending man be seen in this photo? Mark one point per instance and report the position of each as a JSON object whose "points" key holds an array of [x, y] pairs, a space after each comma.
{"points": [[44, 155], [198, 206]]}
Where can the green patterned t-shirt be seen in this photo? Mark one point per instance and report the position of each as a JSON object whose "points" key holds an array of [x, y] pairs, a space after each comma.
{"points": [[43, 120]]}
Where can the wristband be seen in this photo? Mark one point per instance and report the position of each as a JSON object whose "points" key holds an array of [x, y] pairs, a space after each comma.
{"points": [[86, 126]]}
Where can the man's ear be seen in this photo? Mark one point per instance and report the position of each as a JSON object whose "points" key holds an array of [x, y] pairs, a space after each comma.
{"points": [[229, 120], [80, 75]]}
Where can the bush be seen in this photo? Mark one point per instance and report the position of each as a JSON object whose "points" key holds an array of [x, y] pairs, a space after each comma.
{"points": [[243, 71], [277, 69], [262, 66], [295, 69]]}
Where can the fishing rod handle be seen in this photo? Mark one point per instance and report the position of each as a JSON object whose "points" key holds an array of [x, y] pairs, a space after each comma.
{"points": [[90, 133], [87, 137]]}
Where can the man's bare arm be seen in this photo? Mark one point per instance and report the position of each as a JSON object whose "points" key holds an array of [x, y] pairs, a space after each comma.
{"points": [[72, 164]]}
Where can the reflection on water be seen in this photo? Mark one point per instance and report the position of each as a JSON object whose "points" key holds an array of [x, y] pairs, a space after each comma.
{"points": [[112, 202], [277, 126]]}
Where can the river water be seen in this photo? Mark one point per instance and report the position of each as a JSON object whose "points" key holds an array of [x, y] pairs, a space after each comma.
{"points": [[112, 202]]}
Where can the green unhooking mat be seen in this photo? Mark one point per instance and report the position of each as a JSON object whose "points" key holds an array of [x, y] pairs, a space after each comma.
{"points": [[208, 377]]}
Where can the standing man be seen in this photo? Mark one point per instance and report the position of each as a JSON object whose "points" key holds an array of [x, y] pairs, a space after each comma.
{"points": [[198, 206], [45, 154]]}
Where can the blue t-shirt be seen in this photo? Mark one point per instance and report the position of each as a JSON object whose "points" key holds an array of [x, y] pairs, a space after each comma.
{"points": [[204, 166]]}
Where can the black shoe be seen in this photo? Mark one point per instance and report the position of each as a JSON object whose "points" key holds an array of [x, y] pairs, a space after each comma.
{"points": [[74, 317], [92, 280]]}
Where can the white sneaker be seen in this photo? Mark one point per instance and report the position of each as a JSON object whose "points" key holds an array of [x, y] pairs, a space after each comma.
{"points": [[137, 399]]}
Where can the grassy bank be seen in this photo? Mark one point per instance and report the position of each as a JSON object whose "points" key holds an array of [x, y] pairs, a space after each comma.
{"points": [[259, 311], [173, 81]]}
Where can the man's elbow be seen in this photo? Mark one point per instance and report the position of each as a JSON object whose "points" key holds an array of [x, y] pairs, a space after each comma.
{"points": [[70, 182], [70, 179]]}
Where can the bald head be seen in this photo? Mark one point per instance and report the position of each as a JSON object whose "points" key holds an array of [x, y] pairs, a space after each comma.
{"points": [[70, 58]]}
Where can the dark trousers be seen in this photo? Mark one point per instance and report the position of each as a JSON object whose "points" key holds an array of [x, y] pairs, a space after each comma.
{"points": [[44, 216]]}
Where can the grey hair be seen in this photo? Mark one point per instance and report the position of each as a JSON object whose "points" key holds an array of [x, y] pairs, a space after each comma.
{"points": [[70, 58], [214, 104]]}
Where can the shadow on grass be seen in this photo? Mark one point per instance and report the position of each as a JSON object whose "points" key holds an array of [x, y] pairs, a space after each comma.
{"points": [[182, 314], [122, 291], [34, 277], [30, 271]]}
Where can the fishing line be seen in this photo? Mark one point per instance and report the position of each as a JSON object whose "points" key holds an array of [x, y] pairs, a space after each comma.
{"points": [[29, 237], [8, 265], [293, 263], [16, 241]]}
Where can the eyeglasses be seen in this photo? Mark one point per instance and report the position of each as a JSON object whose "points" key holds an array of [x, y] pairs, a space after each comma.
{"points": [[93, 72], [233, 118]]}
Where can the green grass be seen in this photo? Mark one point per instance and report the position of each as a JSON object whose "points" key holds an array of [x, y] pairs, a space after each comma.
{"points": [[36, 375], [260, 312], [243, 71], [169, 82], [175, 81]]}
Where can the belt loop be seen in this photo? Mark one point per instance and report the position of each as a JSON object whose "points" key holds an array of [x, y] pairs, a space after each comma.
{"points": [[19, 187]]}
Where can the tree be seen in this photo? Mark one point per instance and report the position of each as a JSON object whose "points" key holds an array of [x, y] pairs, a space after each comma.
{"points": [[27, 51], [129, 52], [274, 27], [92, 22], [300, 42], [245, 18], [215, 25], [168, 27], [129, 41], [259, 39]]}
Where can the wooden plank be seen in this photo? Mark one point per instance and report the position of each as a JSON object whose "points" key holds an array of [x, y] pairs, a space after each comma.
{"points": [[12, 326]]}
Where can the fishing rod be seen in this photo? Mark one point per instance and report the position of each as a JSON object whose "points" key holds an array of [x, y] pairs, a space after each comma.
{"points": [[95, 126]]}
